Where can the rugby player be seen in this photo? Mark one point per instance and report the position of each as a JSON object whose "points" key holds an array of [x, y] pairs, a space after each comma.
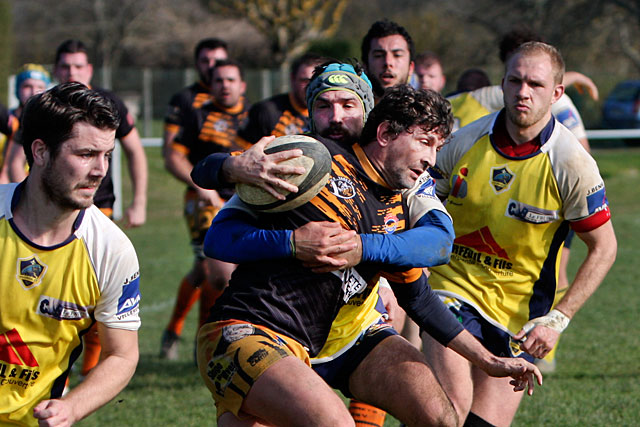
{"points": [[65, 266], [352, 369], [533, 181]]}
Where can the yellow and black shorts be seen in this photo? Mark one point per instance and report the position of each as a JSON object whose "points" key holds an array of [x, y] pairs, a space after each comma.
{"points": [[232, 354], [199, 218]]}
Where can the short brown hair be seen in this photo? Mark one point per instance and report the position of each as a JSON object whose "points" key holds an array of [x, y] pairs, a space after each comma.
{"points": [[535, 48]]}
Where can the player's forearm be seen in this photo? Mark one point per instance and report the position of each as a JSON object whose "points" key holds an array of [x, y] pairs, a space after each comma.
{"points": [[471, 349], [428, 244], [232, 238], [207, 172], [425, 308], [601, 253], [103, 383]]}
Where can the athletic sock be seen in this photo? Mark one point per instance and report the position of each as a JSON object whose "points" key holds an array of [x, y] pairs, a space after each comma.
{"points": [[474, 420], [208, 297], [366, 415], [187, 296]]}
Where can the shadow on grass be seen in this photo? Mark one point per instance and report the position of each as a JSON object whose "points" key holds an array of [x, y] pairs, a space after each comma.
{"points": [[167, 374]]}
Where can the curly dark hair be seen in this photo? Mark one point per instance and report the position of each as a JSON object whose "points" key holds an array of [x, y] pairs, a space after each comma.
{"points": [[403, 107]]}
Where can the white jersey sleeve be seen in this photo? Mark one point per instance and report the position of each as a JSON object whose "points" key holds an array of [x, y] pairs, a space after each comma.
{"points": [[566, 113], [116, 268]]}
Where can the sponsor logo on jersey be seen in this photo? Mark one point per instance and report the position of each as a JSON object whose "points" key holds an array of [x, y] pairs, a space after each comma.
{"points": [[459, 184], [481, 249], [427, 188], [531, 214], [16, 361], [13, 350], [257, 356], [501, 178], [597, 200], [61, 310], [390, 223], [567, 118], [482, 241], [342, 187], [352, 283], [128, 303], [30, 271]]}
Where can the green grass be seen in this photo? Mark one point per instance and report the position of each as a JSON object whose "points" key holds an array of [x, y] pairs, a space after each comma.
{"points": [[598, 377]]}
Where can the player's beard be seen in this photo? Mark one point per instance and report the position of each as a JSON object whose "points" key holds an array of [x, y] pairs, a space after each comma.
{"points": [[347, 138], [58, 192], [525, 120]]}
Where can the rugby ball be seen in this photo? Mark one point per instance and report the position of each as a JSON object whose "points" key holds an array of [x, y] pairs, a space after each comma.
{"points": [[316, 161]]}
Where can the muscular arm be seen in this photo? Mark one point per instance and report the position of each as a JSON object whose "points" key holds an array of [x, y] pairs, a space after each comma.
{"points": [[103, 383], [136, 213], [601, 253], [234, 238], [178, 164]]}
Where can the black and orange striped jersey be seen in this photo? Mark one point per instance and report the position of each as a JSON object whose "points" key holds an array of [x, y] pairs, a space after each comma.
{"points": [[211, 129], [182, 103], [290, 299], [277, 116], [105, 197]]}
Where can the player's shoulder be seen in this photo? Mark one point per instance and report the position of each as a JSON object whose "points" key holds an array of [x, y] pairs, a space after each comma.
{"points": [[101, 233], [6, 194]]}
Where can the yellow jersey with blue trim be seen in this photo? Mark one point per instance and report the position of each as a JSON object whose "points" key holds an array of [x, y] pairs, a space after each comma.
{"points": [[511, 216], [50, 297]]}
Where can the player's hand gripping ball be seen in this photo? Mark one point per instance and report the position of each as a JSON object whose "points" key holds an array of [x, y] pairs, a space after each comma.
{"points": [[316, 161]]}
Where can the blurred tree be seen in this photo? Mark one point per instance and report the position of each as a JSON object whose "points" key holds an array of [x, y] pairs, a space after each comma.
{"points": [[289, 25], [6, 48]]}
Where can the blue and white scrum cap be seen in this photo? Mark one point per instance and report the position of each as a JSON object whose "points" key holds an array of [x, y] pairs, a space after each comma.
{"points": [[31, 71], [338, 76]]}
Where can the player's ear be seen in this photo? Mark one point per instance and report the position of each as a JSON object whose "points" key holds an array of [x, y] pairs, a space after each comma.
{"points": [[40, 152], [557, 92], [384, 134]]}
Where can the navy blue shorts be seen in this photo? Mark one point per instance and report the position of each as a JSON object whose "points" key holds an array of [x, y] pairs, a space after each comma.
{"points": [[336, 372], [569, 239], [493, 338]]}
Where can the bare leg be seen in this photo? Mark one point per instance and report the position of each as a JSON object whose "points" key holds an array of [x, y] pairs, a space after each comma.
{"points": [[454, 373], [494, 399], [396, 378], [289, 393]]}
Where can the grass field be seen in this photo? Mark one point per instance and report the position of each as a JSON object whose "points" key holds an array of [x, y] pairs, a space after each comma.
{"points": [[597, 382]]}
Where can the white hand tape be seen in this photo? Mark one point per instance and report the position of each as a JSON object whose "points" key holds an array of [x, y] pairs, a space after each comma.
{"points": [[554, 320]]}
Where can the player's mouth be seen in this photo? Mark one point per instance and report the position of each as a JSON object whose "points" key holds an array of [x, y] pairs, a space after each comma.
{"points": [[387, 77]]}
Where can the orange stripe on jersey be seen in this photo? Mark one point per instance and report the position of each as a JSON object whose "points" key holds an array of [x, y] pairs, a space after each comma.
{"points": [[200, 99], [179, 148], [407, 276], [368, 167], [170, 127]]}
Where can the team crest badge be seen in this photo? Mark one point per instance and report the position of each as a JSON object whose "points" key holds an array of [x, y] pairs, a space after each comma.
{"points": [[501, 178], [342, 187], [30, 272]]}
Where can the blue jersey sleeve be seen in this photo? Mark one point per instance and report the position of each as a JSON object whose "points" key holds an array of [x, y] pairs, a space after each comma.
{"points": [[428, 244], [207, 172], [233, 238], [425, 308]]}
